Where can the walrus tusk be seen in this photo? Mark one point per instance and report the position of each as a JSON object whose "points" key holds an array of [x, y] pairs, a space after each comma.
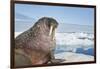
{"points": [[54, 34], [50, 32]]}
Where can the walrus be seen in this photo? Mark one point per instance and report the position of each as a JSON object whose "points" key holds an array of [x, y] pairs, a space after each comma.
{"points": [[36, 45]]}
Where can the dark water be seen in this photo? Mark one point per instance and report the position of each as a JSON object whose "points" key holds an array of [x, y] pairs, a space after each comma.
{"points": [[89, 51]]}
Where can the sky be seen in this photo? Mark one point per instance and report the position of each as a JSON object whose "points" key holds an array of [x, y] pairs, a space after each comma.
{"points": [[73, 15], [63, 15]]}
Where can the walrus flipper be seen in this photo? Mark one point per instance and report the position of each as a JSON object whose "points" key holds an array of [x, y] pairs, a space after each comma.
{"points": [[53, 60], [56, 61]]}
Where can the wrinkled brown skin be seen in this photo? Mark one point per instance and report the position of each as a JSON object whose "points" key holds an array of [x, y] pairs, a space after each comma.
{"points": [[35, 46]]}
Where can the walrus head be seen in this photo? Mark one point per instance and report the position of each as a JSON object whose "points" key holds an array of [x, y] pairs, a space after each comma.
{"points": [[47, 25]]}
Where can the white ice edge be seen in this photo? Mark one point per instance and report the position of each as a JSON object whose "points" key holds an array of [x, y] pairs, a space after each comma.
{"points": [[74, 57]]}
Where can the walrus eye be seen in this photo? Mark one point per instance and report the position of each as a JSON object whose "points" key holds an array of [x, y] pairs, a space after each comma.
{"points": [[50, 32]]}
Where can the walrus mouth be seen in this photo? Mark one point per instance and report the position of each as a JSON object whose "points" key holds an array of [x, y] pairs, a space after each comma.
{"points": [[52, 32]]}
